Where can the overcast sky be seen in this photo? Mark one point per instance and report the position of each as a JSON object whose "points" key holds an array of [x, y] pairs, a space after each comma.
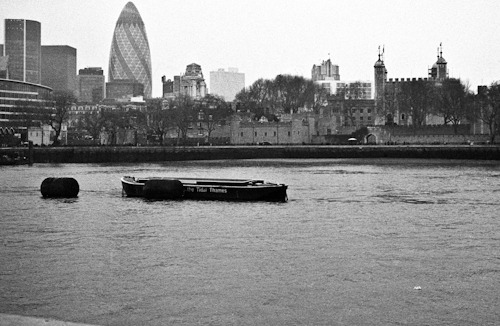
{"points": [[264, 38]]}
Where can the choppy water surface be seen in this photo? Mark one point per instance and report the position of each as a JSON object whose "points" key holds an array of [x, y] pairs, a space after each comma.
{"points": [[348, 248]]}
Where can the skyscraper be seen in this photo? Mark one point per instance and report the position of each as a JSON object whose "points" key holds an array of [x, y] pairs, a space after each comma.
{"points": [[59, 67], [23, 46], [130, 58], [90, 85]]}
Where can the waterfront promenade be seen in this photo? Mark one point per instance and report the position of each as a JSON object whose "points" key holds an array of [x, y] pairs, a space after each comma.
{"points": [[140, 154]]}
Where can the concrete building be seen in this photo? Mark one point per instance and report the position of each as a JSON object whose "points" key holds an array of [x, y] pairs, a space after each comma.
{"points": [[123, 90], [23, 105], [59, 67], [325, 71], [90, 85], [226, 83], [327, 75], [130, 57], [23, 46], [191, 83]]}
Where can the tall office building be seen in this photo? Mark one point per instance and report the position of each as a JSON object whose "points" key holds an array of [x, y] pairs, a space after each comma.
{"points": [[90, 85], [59, 67], [23, 46], [325, 71], [130, 57], [227, 83]]}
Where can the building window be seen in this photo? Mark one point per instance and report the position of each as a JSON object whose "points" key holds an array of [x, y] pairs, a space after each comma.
{"points": [[241, 134], [275, 134], [360, 110], [369, 118], [256, 134], [369, 110], [289, 134], [265, 134]]}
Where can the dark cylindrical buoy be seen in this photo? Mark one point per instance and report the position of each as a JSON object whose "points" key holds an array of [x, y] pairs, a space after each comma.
{"points": [[59, 188], [163, 189]]}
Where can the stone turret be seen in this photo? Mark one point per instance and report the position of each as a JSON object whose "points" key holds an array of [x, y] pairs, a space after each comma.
{"points": [[439, 70], [380, 76]]}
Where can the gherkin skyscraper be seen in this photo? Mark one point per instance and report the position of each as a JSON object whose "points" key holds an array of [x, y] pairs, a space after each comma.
{"points": [[130, 58]]}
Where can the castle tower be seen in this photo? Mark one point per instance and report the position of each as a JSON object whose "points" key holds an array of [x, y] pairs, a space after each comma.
{"points": [[439, 71], [130, 57], [380, 76]]}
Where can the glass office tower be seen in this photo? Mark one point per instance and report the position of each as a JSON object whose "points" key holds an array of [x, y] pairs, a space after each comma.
{"points": [[130, 58], [23, 46]]}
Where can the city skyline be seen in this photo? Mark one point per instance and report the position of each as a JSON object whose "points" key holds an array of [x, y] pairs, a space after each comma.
{"points": [[263, 39]]}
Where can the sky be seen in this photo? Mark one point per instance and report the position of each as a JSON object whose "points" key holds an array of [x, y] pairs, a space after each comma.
{"points": [[264, 38]]}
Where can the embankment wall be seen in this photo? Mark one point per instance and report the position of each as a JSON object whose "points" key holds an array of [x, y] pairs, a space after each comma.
{"points": [[109, 154]]}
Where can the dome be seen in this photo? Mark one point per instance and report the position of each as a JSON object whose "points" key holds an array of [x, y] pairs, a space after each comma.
{"points": [[130, 15], [441, 60], [379, 63]]}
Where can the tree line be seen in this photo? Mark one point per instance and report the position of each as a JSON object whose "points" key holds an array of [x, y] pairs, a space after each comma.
{"points": [[160, 116], [283, 94]]}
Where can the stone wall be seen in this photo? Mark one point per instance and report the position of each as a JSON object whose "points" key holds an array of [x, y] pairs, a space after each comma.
{"points": [[130, 154]]}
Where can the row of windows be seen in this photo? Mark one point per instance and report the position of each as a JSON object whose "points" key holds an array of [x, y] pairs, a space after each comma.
{"points": [[24, 103], [360, 118], [16, 86], [362, 110], [21, 117], [14, 94], [266, 133]]}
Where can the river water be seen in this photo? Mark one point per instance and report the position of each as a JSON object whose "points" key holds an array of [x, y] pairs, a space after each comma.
{"points": [[360, 242]]}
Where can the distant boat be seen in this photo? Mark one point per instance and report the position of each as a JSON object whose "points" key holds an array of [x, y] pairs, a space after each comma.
{"points": [[203, 189]]}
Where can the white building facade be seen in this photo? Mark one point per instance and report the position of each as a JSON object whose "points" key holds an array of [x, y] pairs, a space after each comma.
{"points": [[227, 83]]}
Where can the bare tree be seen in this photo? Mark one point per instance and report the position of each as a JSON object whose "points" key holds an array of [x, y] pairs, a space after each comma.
{"points": [[63, 100], [415, 98], [214, 110], [454, 102], [488, 109], [285, 93], [93, 123], [315, 96], [158, 118], [181, 115]]}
